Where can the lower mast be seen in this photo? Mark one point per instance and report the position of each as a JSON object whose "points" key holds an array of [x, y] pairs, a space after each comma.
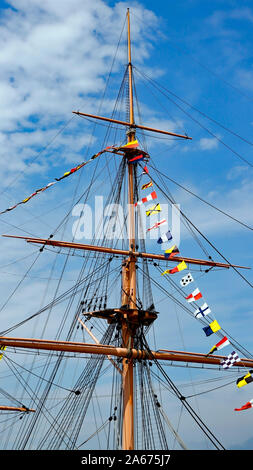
{"points": [[129, 299]]}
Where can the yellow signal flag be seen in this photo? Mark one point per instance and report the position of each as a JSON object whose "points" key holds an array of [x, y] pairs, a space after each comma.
{"points": [[3, 348], [130, 145], [245, 380], [153, 210], [211, 328], [214, 326], [178, 268], [182, 266]]}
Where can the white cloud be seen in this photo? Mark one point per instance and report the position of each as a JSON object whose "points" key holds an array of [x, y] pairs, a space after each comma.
{"points": [[55, 57], [237, 171], [208, 143], [220, 16], [245, 78], [235, 200]]}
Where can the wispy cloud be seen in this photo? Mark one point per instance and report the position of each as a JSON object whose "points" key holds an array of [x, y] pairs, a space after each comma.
{"points": [[219, 17], [235, 200], [208, 143], [54, 58]]}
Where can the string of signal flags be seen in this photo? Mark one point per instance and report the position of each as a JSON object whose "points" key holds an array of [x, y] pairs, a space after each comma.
{"points": [[68, 173], [195, 294], [165, 238]]}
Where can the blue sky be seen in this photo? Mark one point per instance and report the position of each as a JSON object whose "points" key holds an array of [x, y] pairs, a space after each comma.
{"points": [[55, 58]]}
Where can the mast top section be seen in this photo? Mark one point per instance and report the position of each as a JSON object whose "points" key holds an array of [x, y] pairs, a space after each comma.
{"points": [[131, 133], [132, 126]]}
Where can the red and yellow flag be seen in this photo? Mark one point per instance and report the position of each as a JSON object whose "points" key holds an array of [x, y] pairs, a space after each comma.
{"points": [[147, 185]]}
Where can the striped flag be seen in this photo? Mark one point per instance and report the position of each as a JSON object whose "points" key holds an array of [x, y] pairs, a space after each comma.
{"points": [[148, 198], [147, 185], [2, 348], [195, 295], [165, 237], [221, 344], [130, 145], [138, 158]]}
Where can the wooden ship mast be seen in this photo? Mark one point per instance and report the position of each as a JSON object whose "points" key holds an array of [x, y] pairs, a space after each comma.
{"points": [[129, 316]]}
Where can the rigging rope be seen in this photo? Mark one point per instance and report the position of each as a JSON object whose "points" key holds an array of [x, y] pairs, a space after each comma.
{"points": [[202, 235], [201, 199], [195, 120], [203, 321], [205, 67], [217, 444], [200, 112]]}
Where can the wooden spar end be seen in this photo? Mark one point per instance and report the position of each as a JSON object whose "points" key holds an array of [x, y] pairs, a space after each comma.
{"points": [[134, 126], [116, 251], [17, 408]]}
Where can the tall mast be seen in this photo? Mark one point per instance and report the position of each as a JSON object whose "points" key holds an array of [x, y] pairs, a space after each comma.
{"points": [[129, 283]]}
